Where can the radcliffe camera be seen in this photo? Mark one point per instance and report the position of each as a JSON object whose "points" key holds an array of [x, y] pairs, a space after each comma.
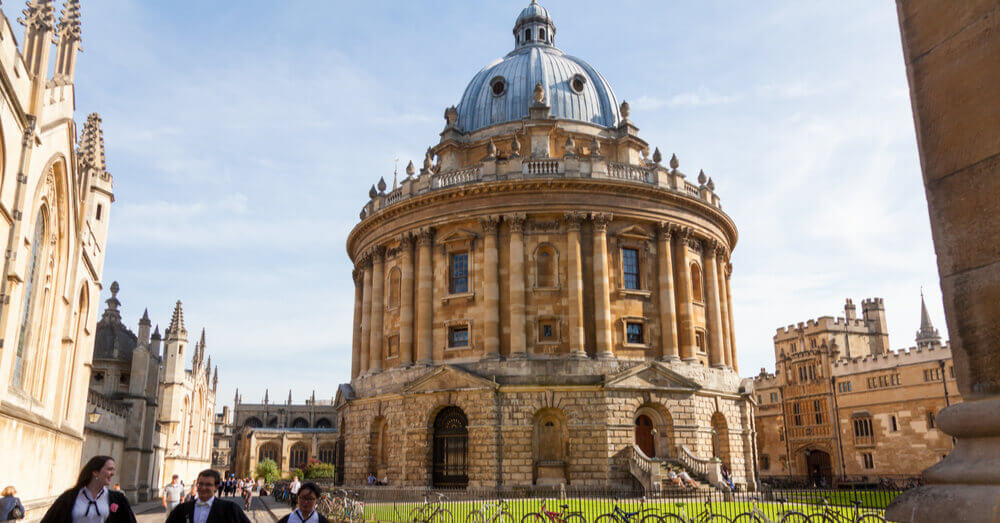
{"points": [[538, 261]]}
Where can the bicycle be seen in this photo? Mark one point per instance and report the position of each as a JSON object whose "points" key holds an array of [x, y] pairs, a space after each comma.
{"points": [[617, 515], [546, 515], [431, 511], [829, 515], [756, 515], [345, 508], [705, 516], [498, 513]]}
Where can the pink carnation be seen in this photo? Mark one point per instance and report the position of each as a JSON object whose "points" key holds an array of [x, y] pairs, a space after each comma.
{"points": [[114, 507]]}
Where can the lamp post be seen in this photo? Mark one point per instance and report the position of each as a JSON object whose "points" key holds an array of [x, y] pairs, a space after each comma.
{"points": [[94, 416]]}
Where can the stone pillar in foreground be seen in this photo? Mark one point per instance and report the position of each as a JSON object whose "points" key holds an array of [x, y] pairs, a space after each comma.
{"points": [[425, 293], [686, 313], [515, 275], [668, 309], [715, 357], [378, 309], [491, 289], [406, 301], [720, 282], [602, 296], [574, 284], [951, 50], [366, 318]]}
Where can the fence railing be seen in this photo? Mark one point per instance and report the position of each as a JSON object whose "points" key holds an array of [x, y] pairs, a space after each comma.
{"points": [[590, 503]]}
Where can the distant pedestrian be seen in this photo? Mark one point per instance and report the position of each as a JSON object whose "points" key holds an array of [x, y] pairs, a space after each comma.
{"points": [[192, 493], [10, 506], [206, 508], [293, 488], [90, 500], [305, 506], [173, 494]]}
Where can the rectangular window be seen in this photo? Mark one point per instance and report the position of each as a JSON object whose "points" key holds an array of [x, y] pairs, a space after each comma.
{"points": [[774, 397], [796, 410], [760, 399], [630, 268], [459, 281], [893, 425], [812, 342], [392, 347], [818, 412], [547, 330], [458, 336], [871, 383], [951, 371], [765, 462], [930, 420], [633, 332], [868, 460], [699, 341]]}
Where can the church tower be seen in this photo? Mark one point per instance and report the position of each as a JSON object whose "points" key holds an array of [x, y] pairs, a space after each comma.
{"points": [[927, 337]]}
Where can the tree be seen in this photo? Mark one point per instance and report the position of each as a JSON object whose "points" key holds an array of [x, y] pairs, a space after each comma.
{"points": [[267, 469], [320, 471]]}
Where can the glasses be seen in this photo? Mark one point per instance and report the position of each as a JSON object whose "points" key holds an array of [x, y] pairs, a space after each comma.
{"points": [[206, 484], [307, 498]]}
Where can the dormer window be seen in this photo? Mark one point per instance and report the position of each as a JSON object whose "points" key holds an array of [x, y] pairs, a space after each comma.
{"points": [[541, 34], [498, 86], [527, 35], [577, 83]]}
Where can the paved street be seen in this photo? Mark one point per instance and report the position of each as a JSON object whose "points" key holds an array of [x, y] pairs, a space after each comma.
{"points": [[258, 515]]}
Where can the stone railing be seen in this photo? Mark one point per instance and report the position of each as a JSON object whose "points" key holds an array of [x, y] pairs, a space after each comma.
{"points": [[644, 469], [709, 470], [458, 177], [394, 197], [545, 167], [626, 171]]}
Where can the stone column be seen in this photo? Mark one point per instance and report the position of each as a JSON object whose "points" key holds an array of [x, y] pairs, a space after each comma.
{"points": [[359, 285], [378, 309], [602, 295], [425, 294], [491, 289], [366, 318], [732, 319], [574, 282], [720, 271], [953, 73], [406, 300], [518, 343], [685, 295], [715, 351], [668, 309]]}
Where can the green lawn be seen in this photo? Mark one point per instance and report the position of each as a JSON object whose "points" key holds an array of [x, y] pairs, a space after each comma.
{"points": [[591, 509]]}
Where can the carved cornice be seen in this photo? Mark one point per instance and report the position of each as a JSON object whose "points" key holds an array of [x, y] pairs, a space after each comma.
{"points": [[601, 221], [490, 224], [378, 253], [546, 226]]}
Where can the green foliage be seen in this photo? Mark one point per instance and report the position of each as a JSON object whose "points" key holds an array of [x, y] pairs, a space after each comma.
{"points": [[295, 472], [267, 469], [320, 471]]}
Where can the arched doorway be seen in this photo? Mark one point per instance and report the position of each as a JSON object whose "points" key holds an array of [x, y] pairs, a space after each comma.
{"points": [[820, 468], [549, 447], [720, 439], [450, 449], [644, 435], [378, 447]]}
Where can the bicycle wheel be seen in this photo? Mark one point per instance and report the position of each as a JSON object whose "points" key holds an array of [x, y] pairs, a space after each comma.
{"points": [[606, 518], [820, 518], [651, 518], [718, 518], [747, 517], [474, 517], [575, 518], [870, 518], [795, 517], [416, 515], [503, 518], [533, 517], [442, 516]]}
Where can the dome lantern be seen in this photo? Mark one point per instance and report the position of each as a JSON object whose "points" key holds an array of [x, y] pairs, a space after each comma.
{"points": [[534, 26]]}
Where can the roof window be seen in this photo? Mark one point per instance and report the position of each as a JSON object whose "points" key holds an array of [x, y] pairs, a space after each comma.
{"points": [[498, 86], [577, 83]]}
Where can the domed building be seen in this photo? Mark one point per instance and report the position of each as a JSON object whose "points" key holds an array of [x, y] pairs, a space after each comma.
{"points": [[542, 303]]}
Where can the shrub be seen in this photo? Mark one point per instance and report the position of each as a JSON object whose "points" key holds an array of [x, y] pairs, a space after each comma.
{"points": [[267, 469], [320, 471], [295, 472]]}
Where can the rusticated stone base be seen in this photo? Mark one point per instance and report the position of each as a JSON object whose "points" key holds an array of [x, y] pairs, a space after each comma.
{"points": [[951, 503]]}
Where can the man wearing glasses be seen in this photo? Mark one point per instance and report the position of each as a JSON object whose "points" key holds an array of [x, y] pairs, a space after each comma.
{"points": [[206, 508]]}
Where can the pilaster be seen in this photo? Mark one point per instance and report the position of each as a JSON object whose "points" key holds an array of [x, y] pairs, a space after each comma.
{"points": [[715, 354], [491, 288], [720, 269], [668, 310], [602, 295], [518, 343], [366, 319], [378, 309], [406, 301], [425, 292], [574, 222], [359, 283], [686, 312]]}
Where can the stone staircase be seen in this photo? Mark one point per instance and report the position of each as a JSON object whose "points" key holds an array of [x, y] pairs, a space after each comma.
{"points": [[651, 472]]}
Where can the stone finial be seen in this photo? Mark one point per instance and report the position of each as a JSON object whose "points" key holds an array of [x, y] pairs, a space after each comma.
{"points": [[363, 214], [410, 169], [38, 15], [381, 185], [701, 177], [710, 184], [645, 155], [657, 156], [145, 318], [428, 161], [289, 396], [491, 150], [515, 146], [674, 162], [451, 116], [539, 93], [570, 146], [69, 23], [90, 148], [595, 147], [372, 193], [625, 110]]}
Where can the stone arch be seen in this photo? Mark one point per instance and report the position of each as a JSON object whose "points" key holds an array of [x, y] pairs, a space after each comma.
{"points": [[254, 422], [661, 428], [392, 288], [449, 449], [300, 423], [270, 451], [550, 436], [79, 331], [546, 258], [323, 423], [697, 287], [298, 456], [720, 439], [327, 453], [273, 422], [378, 447]]}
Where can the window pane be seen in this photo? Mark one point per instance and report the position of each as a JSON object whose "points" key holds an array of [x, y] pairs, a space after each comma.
{"points": [[633, 333], [459, 272], [630, 268], [458, 337]]}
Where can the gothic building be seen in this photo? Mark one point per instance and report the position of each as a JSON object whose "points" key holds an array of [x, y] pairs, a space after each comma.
{"points": [[55, 203], [542, 303]]}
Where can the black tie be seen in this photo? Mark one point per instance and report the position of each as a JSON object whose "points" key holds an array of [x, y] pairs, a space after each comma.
{"points": [[92, 502]]}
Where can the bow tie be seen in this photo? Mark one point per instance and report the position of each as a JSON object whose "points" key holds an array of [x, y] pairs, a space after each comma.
{"points": [[202, 504]]}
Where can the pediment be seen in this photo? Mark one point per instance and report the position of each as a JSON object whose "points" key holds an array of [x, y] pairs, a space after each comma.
{"points": [[345, 393], [458, 235], [651, 376], [635, 231], [448, 378]]}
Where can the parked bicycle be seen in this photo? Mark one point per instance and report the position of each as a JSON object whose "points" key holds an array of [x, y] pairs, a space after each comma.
{"points": [[346, 507], [547, 516], [490, 512], [617, 515], [431, 511], [756, 515], [828, 514], [707, 515]]}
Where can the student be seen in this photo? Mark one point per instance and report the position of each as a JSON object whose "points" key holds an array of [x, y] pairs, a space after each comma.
{"points": [[305, 511], [173, 494], [206, 508], [10, 506], [90, 500]]}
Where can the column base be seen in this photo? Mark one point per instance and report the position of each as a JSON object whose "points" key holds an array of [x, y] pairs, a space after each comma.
{"points": [[493, 356], [606, 356], [423, 363], [670, 358], [691, 360], [719, 366], [578, 355], [518, 356]]}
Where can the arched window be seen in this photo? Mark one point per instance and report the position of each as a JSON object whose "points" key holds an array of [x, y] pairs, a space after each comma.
{"points": [[269, 451], [31, 288], [720, 438], [327, 453], [82, 311], [273, 422], [254, 422], [323, 423], [298, 456], [393, 288], [300, 423], [541, 34], [549, 447], [546, 275], [527, 35], [450, 449], [696, 287]]}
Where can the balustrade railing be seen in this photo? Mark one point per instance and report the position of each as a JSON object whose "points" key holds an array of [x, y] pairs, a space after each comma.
{"points": [[541, 167], [457, 177], [644, 469], [627, 171]]}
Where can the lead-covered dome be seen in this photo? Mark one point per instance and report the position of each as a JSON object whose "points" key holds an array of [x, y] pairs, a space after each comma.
{"points": [[504, 90]]}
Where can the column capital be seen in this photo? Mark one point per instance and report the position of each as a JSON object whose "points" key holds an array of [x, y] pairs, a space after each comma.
{"points": [[666, 230], [516, 222], [729, 269], [574, 220], [489, 224], [601, 221], [406, 242], [359, 275], [378, 253], [711, 247], [425, 236]]}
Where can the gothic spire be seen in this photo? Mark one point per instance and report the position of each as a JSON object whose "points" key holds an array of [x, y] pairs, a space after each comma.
{"points": [[176, 327], [927, 336], [145, 317], [38, 15], [69, 22], [90, 150]]}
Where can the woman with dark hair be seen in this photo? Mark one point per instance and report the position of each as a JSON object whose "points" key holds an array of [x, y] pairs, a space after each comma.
{"points": [[305, 510], [90, 500]]}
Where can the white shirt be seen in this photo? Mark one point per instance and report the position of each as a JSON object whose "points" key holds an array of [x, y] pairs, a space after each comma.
{"points": [[297, 515], [294, 487], [91, 510], [202, 508]]}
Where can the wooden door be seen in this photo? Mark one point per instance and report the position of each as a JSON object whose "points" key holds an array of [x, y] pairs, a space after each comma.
{"points": [[644, 435]]}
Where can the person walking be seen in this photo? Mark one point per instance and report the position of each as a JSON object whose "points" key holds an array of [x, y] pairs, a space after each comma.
{"points": [[90, 500], [206, 508], [173, 494], [305, 506], [11, 508], [294, 489]]}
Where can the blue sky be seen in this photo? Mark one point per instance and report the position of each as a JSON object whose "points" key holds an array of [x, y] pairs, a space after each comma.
{"points": [[243, 137]]}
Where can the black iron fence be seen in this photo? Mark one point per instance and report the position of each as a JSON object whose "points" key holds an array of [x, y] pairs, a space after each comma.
{"points": [[626, 504]]}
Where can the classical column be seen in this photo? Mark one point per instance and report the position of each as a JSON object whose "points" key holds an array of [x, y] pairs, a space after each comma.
{"points": [[720, 270], [366, 313], [406, 300], [668, 308], [685, 296], [602, 296], [378, 309], [732, 319], [574, 221], [491, 288], [425, 293], [518, 345], [715, 357], [359, 283]]}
